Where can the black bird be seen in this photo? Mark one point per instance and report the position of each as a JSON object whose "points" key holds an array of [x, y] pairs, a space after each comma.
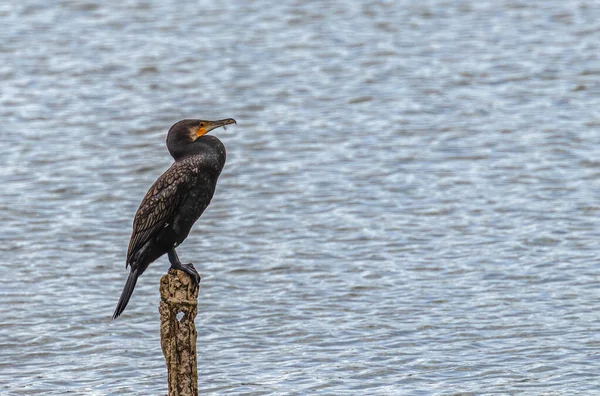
{"points": [[175, 201]]}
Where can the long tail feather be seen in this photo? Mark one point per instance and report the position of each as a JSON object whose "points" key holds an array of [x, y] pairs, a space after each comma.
{"points": [[126, 294]]}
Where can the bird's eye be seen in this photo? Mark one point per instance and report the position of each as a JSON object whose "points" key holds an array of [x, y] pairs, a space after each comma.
{"points": [[201, 125]]}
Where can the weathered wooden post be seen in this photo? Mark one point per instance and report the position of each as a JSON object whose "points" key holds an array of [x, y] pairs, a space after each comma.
{"points": [[179, 297]]}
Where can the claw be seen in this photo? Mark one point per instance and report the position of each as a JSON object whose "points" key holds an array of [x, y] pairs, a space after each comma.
{"points": [[187, 268], [191, 271]]}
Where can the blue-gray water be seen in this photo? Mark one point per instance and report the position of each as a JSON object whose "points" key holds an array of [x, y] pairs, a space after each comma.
{"points": [[410, 203]]}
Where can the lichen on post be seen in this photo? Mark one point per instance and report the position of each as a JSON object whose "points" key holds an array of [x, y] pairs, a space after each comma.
{"points": [[179, 296]]}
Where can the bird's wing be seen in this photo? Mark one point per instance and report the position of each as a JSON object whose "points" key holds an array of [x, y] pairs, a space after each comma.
{"points": [[158, 207]]}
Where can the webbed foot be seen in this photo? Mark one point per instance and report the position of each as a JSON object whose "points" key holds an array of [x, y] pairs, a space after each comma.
{"points": [[187, 268], [191, 271]]}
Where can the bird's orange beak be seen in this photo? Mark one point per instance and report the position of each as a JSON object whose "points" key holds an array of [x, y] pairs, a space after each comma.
{"points": [[208, 126]]}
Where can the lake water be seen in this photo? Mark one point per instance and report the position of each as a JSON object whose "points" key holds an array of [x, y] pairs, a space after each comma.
{"points": [[410, 204]]}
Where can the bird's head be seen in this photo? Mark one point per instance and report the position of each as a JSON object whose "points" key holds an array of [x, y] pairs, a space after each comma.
{"points": [[185, 133]]}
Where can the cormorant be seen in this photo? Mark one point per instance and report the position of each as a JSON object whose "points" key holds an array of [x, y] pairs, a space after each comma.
{"points": [[175, 201]]}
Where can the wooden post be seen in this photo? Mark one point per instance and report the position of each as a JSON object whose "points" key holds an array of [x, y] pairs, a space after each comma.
{"points": [[179, 295]]}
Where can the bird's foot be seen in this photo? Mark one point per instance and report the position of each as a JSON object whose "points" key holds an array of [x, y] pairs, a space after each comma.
{"points": [[190, 270]]}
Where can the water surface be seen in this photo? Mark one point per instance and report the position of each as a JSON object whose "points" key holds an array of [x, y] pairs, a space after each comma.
{"points": [[410, 202]]}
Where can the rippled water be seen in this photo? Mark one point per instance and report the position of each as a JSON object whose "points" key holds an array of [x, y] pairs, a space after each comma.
{"points": [[410, 203]]}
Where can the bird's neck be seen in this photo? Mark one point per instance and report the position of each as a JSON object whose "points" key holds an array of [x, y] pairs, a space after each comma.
{"points": [[185, 151]]}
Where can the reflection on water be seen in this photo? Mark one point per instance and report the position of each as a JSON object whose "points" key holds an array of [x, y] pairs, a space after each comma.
{"points": [[409, 203]]}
